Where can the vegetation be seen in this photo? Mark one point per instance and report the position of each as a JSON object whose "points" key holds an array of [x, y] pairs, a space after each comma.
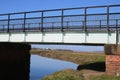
{"points": [[76, 57], [65, 75], [77, 75], [91, 65], [104, 77]]}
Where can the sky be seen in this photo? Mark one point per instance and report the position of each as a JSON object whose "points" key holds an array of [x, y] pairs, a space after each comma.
{"points": [[8, 6], [11, 6]]}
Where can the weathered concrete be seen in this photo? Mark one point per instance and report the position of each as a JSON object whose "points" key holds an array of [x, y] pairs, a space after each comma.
{"points": [[112, 49], [14, 61], [112, 59]]}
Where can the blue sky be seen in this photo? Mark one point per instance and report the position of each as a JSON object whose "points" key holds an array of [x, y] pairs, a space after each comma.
{"points": [[10, 6]]}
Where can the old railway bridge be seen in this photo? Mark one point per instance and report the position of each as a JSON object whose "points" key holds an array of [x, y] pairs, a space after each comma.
{"points": [[94, 25]]}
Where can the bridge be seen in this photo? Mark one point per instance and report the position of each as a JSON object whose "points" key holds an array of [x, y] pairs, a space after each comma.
{"points": [[94, 25], [81, 25]]}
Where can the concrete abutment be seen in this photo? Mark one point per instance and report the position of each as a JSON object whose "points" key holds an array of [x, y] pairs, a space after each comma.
{"points": [[112, 52], [14, 61]]}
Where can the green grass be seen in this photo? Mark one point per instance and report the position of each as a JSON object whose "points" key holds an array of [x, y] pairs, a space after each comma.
{"points": [[68, 74], [104, 77]]}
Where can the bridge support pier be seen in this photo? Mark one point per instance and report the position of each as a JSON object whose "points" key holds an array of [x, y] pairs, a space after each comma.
{"points": [[112, 59], [14, 61]]}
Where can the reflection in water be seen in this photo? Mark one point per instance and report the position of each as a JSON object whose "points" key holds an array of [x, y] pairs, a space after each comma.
{"points": [[41, 66]]}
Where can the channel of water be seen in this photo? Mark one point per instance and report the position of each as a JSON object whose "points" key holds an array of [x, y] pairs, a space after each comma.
{"points": [[41, 66]]}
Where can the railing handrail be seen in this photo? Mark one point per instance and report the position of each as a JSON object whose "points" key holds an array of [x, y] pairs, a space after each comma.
{"points": [[64, 22], [115, 5], [62, 19]]}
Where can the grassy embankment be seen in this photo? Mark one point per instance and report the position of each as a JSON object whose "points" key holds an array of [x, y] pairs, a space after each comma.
{"points": [[75, 57], [91, 65]]}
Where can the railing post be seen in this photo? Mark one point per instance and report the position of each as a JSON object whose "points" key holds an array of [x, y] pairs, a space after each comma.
{"points": [[67, 26], [8, 23], [42, 15], [52, 26], [62, 19], [100, 25], [116, 24], [13, 28], [117, 32], [107, 18], [85, 19], [24, 22], [3, 28], [29, 27], [39, 26]]}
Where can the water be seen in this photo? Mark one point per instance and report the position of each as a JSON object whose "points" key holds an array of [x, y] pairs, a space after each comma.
{"points": [[41, 66]]}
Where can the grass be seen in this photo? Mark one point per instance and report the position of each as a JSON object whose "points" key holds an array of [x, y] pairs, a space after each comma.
{"points": [[104, 77], [68, 74]]}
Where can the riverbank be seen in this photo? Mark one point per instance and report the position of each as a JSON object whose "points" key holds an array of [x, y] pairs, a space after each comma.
{"points": [[75, 57], [91, 65]]}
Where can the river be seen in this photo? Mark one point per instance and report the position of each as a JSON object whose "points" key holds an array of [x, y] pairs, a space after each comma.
{"points": [[41, 66]]}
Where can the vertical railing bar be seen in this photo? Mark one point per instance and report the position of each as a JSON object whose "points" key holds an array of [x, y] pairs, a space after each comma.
{"points": [[29, 27], [62, 19], [22, 28], [39, 26], [52, 26], [3, 28], [8, 23], [13, 28], [42, 15], [117, 37], [82, 25], [100, 24], [67, 26], [85, 19], [107, 18], [24, 22], [116, 24]]}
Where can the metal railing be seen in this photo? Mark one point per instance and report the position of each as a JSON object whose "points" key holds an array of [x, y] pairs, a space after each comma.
{"points": [[100, 18]]}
